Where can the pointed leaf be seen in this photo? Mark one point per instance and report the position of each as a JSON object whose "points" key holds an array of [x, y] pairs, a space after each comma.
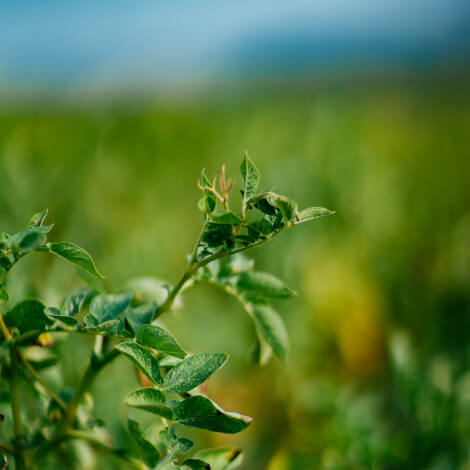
{"points": [[272, 328], [226, 458], [109, 306], [148, 452], [157, 338], [38, 219], [75, 254], [250, 179], [143, 359], [149, 399], [193, 371], [201, 412], [263, 284], [74, 302], [312, 213]]}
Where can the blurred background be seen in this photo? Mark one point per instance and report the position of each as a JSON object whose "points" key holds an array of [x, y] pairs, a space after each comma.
{"points": [[108, 111]]}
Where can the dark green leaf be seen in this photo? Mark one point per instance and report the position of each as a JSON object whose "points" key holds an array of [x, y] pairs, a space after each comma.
{"points": [[143, 359], [287, 206], [216, 234], [271, 327], [250, 179], [109, 306], [141, 315], [149, 399], [193, 371], [201, 412], [55, 315], [4, 297], [148, 452], [38, 219], [74, 302], [75, 254], [312, 213], [195, 464], [157, 338], [28, 315], [263, 284], [220, 459]]}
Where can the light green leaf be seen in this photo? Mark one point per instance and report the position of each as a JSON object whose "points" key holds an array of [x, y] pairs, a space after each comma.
{"points": [[74, 302], [32, 237], [143, 359], [271, 327], [149, 399], [312, 213], [148, 452], [226, 218], [38, 219], [225, 458], [201, 412], [193, 371], [250, 179], [263, 284], [74, 254], [27, 315], [157, 338], [141, 315], [109, 306]]}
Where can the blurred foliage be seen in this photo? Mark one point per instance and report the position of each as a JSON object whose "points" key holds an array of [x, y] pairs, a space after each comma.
{"points": [[378, 375]]}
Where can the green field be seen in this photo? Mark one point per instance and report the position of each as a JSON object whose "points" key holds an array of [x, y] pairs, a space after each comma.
{"points": [[379, 371]]}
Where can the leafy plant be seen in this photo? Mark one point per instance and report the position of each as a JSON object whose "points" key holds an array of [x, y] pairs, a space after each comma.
{"points": [[125, 323]]}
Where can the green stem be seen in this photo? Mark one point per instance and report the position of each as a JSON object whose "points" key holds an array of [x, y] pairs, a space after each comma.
{"points": [[15, 409]]}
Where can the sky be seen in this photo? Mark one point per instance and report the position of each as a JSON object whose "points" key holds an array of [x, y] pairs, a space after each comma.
{"points": [[60, 44]]}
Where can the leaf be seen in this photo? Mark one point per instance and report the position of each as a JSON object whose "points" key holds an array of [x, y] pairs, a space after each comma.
{"points": [[75, 254], [109, 306], [260, 352], [263, 284], [27, 315], [143, 359], [226, 218], [39, 357], [287, 206], [149, 399], [221, 459], [4, 297], [112, 328], [201, 412], [148, 452], [195, 464], [159, 339], [38, 219], [30, 238], [216, 234], [74, 302], [141, 315], [174, 443], [250, 180], [32, 241], [271, 327], [193, 371], [55, 315], [312, 213], [148, 289]]}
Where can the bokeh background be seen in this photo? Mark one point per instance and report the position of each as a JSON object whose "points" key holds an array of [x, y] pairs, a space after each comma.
{"points": [[108, 111]]}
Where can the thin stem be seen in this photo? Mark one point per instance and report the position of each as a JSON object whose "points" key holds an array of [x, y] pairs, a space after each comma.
{"points": [[15, 409], [4, 329], [43, 384]]}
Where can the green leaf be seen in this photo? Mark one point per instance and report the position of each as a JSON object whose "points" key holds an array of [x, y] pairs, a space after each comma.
{"points": [[176, 444], [226, 458], [263, 284], [216, 234], [271, 327], [193, 371], [38, 219], [149, 399], [32, 237], [148, 289], [28, 315], [143, 359], [287, 206], [4, 297], [109, 306], [55, 315], [195, 464], [312, 213], [157, 338], [141, 315], [31, 242], [201, 412], [75, 254], [39, 357], [226, 218], [112, 328], [74, 302], [250, 179], [148, 452]]}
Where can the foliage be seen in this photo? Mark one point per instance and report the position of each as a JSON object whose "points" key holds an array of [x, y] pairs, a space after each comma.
{"points": [[124, 323]]}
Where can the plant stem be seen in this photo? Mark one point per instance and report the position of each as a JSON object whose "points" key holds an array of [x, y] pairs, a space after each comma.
{"points": [[7, 448], [4, 329], [15, 409]]}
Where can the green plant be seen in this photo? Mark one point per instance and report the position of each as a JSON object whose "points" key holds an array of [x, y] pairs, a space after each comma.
{"points": [[125, 323]]}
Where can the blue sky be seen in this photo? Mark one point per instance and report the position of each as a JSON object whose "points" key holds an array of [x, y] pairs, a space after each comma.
{"points": [[65, 44]]}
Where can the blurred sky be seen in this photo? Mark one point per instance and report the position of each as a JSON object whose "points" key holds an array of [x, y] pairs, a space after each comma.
{"points": [[60, 45]]}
